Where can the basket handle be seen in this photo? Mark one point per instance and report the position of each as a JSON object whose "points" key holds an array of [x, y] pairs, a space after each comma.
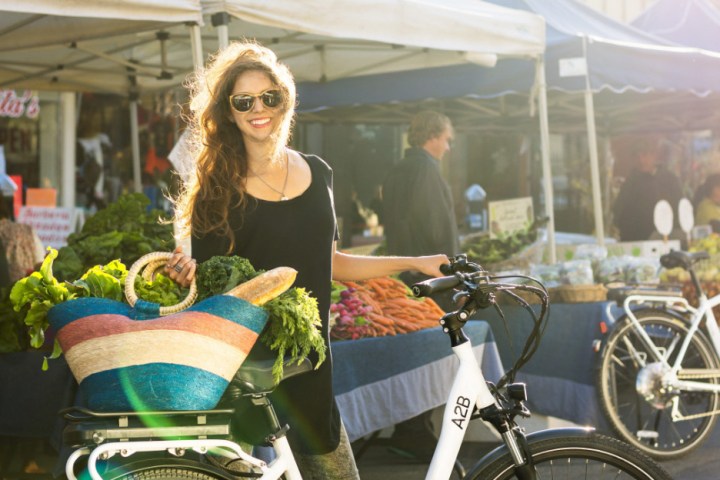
{"points": [[152, 262]]}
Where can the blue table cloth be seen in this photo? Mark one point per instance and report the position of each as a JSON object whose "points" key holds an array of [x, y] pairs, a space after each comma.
{"points": [[561, 375], [382, 381]]}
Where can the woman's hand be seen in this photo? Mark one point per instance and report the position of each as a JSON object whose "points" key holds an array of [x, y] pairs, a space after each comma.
{"points": [[181, 267], [430, 264]]}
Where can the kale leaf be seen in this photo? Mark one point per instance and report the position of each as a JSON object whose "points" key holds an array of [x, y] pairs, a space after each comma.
{"points": [[219, 274]]}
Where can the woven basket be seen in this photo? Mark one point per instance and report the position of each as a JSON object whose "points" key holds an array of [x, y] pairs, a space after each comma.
{"points": [[131, 359], [578, 293]]}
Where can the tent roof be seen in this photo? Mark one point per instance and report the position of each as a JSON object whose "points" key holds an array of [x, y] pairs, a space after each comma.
{"points": [[620, 57], [138, 10], [694, 23], [42, 48], [660, 80]]}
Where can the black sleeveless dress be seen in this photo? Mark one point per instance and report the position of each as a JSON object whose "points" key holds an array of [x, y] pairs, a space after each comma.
{"points": [[297, 233]]}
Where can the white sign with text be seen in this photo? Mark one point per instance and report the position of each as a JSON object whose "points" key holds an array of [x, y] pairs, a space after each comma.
{"points": [[508, 216], [52, 224]]}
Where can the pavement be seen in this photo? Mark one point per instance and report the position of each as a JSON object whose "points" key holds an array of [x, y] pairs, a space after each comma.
{"points": [[379, 462]]}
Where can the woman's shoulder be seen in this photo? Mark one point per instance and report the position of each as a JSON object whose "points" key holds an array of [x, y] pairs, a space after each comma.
{"points": [[315, 161], [318, 166]]}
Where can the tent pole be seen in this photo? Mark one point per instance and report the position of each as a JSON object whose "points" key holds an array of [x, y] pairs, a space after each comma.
{"points": [[545, 154], [68, 139], [135, 144], [220, 21], [196, 46], [593, 151]]}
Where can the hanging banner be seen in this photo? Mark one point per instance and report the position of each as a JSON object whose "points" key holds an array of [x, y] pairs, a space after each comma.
{"points": [[13, 105]]}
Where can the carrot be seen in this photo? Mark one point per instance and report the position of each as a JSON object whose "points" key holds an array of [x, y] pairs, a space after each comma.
{"points": [[380, 319]]}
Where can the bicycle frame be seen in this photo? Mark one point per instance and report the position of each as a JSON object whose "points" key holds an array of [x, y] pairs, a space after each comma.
{"points": [[704, 311], [468, 391]]}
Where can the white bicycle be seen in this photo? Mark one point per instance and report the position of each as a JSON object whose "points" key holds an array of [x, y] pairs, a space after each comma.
{"points": [[659, 373], [199, 445]]}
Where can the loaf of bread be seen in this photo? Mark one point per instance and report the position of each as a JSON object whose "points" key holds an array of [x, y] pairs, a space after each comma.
{"points": [[265, 286]]}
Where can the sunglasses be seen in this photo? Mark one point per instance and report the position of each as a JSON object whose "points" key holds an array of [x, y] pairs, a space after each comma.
{"points": [[243, 102]]}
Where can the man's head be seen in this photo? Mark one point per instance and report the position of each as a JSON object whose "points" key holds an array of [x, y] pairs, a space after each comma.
{"points": [[432, 131], [646, 153]]}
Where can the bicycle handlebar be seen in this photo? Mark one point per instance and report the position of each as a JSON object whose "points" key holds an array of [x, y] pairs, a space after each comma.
{"points": [[476, 289]]}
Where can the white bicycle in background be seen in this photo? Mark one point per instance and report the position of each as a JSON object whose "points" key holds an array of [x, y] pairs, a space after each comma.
{"points": [[199, 445], [659, 372]]}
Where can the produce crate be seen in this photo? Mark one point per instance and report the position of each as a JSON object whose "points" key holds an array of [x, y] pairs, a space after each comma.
{"points": [[522, 260], [578, 294]]}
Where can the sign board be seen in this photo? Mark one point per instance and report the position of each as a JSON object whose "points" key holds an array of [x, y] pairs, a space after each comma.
{"points": [[52, 225], [572, 67], [508, 216], [686, 216], [663, 217], [13, 105], [41, 197]]}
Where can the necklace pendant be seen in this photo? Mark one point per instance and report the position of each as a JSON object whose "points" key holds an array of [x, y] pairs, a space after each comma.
{"points": [[283, 198]]}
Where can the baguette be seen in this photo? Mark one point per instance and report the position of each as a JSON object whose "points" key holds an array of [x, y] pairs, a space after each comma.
{"points": [[265, 286]]}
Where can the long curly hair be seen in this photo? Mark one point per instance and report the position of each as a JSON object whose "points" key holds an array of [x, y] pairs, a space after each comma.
{"points": [[217, 182]]}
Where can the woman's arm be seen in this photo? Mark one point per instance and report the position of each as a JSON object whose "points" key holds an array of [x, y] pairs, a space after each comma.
{"points": [[359, 267]]}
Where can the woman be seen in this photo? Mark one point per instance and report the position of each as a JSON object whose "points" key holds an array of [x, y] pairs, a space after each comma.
{"points": [[250, 195]]}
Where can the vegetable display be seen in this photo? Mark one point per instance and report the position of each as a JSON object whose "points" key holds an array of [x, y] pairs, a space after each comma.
{"points": [[125, 229], [379, 307], [294, 321], [486, 250]]}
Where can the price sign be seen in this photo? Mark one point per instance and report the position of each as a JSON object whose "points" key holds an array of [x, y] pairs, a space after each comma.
{"points": [[508, 216], [52, 225], [663, 218]]}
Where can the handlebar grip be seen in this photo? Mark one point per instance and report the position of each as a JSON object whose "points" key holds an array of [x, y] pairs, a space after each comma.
{"points": [[433, 285], [446, 269]]}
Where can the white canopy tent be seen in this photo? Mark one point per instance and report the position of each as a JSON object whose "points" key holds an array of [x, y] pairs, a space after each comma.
{"points": [[125, 46]]}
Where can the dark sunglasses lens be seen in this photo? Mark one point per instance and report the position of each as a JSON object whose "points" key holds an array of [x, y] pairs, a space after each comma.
{"points": [[272, 98], [242, 103]]}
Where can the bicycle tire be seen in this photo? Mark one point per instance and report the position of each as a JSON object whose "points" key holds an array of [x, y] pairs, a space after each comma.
{"points": [[164, 469], [168, 473], [645, 425], [591, 457]]}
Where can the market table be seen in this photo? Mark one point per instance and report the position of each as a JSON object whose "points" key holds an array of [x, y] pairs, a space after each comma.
{"points": [[382, 381], [379, 381], [560, 376]]}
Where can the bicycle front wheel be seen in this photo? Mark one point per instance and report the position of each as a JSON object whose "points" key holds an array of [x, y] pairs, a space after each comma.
{"points": [[633, 396], [592, 457]]}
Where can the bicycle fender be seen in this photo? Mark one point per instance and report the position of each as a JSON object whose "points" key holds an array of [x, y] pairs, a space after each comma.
{"points": [[502, 450]]}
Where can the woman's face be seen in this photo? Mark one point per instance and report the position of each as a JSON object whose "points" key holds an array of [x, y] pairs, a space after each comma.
{"points": [[258, 123]]}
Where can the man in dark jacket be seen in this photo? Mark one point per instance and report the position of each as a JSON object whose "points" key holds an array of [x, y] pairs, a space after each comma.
{"points": [[419, 216], [419, 219], [644, 187]]}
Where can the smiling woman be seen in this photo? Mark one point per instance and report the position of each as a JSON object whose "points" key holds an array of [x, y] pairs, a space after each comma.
{"points": [[252, 196]]}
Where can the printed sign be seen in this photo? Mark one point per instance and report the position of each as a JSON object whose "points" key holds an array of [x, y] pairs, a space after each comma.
{"points": [[508, 216], [52, 225], [14, 106]]}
